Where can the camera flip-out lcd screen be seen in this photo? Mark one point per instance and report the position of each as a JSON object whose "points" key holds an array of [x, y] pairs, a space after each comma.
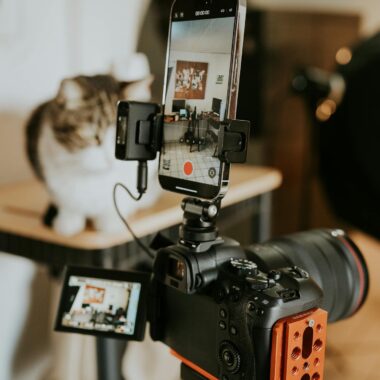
{"points": [[103, 302]]}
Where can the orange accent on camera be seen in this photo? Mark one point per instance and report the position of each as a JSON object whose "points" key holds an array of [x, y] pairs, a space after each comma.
{"points": [[298, 347], [193, 366]]}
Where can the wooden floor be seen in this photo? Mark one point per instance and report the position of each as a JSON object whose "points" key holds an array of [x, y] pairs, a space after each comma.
{"points": [[354, 345]]}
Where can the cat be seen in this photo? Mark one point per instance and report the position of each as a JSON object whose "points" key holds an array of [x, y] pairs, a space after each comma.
{"points": [[70, 145]]}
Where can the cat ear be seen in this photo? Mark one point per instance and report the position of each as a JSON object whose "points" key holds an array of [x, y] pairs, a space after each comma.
{"points": [[70, 94], [138, 90]]}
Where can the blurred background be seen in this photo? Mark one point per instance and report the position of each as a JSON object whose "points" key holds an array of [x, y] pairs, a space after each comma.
{"points": [[42, 42]]}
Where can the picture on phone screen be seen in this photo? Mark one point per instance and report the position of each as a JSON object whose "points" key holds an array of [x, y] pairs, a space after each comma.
{"points": [[197, 96]]}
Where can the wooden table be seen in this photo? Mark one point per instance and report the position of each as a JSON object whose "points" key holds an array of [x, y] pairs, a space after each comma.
{"points": [[23, 233], [23, 204]]}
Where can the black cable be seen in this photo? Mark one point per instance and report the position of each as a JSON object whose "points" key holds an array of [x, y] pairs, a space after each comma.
{"points": [[138, 241], [128, 191]]}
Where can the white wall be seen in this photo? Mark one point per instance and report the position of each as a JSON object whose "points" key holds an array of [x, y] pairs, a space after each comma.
{"points": [[49, 40], [43, 41], [368, 9], [217, 64]]}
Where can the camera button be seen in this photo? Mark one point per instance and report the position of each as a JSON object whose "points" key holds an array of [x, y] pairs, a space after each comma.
{"points": [[235, 293], [233, 330], [223, 313], [260, 312], [274, 275], [198, 281], [220, 295], [299, 273], [251, 306], [222, 325], [258, 283]]}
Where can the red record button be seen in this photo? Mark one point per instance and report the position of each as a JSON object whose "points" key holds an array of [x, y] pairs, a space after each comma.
{"points": [[188, 168]]}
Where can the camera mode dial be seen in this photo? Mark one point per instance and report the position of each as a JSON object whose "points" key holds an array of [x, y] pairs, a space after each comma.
{"points": [[243, 267]]}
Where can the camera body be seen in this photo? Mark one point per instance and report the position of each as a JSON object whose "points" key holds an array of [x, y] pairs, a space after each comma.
{"points": [[228, 313], [216, 309]]}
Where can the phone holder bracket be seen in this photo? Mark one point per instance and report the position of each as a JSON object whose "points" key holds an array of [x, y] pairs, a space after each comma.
{"points": [[233, 135], [233, 141]]}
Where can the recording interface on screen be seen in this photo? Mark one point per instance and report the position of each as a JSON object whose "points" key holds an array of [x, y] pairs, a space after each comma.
{"points": [[101, 305], [196, 98]]}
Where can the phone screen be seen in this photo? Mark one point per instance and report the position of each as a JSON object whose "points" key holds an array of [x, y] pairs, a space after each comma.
{"points": [[106, 303], [197, 95]]}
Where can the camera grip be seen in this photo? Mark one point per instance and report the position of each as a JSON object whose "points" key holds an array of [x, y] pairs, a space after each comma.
{"points": [[262, 339]]}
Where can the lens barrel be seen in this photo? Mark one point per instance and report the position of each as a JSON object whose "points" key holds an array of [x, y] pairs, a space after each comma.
{"points": [[332, 260]]}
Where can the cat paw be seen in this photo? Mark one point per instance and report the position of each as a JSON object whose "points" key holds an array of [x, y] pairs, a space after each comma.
{"points": [[68, 224]]}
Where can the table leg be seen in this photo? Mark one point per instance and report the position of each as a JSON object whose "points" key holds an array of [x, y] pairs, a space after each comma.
{"points": [[109, 354], [263, 220]]}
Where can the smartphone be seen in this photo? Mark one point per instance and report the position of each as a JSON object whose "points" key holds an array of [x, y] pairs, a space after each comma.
{"points": [[201, 87], [103, 302]]}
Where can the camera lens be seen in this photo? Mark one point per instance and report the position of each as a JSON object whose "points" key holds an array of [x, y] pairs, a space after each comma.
{"points": [[331, 259]]}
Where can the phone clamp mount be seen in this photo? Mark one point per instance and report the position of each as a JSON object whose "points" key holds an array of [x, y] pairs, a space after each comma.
{"points": [[139, 136]]}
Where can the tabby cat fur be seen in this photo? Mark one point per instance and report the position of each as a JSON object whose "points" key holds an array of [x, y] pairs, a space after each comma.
{"points": [[70, 145]]}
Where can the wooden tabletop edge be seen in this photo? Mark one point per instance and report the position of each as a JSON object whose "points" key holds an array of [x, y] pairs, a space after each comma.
{"points": [[262, 180]]}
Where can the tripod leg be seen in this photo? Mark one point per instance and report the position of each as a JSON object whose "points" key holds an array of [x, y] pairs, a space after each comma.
{"points": [[109, 355]]}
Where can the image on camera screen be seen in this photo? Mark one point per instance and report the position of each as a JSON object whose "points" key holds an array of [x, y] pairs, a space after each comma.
{"points": [[101, 305], [196, 98]]}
